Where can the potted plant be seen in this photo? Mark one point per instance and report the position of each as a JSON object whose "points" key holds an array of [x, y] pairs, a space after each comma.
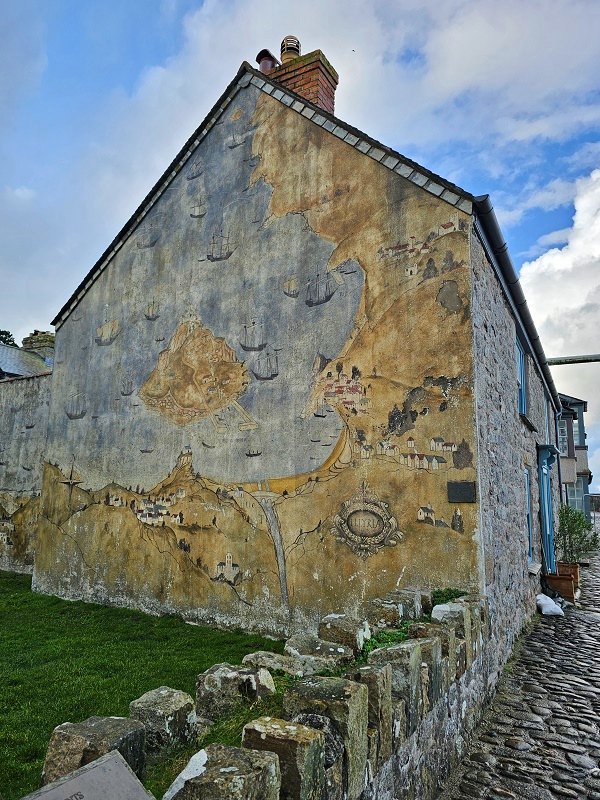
{"points": [[576, 535]]}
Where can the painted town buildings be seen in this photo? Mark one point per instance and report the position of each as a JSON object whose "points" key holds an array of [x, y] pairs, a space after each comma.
{"points": [[301, 377]]}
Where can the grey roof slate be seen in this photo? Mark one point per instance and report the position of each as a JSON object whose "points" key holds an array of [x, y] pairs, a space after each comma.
{"points": [[15, 361]]}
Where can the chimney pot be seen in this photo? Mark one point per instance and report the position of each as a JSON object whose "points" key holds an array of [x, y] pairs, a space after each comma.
{"points": [[290, 49], [266, 61]]}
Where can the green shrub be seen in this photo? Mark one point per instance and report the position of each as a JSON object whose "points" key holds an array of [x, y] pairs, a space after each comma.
{"points": [[576, 535]]}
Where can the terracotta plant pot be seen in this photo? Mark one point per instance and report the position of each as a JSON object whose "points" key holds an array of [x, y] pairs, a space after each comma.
{"points": [[569, 568], [563, 584]]}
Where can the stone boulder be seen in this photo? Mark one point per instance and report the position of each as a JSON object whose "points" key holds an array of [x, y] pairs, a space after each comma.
{"points": [[317, 655], [168, 715], [344, 630], [220, 688], [296, 667], [220, 772], [72, 745], [300, 750], [346, 703]]}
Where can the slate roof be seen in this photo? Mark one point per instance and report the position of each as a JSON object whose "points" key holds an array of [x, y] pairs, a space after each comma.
{"points": [[15, 361]]}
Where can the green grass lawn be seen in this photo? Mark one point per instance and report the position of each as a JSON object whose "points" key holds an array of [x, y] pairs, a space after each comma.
{"points": [[64, 661]]}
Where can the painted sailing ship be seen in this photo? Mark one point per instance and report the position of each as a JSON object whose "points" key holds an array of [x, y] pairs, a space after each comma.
{"points": [[266, 367], [320, 410], [107, 332], [221, 247], [235, 142], [148, 235], [198, 210], [75, 408], [253, 337], [127, 386], [291, 286], [152, 311], [196, 170], [320, 290]]}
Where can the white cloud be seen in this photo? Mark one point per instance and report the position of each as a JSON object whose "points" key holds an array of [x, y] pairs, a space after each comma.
{"points": [[563, 293], [555, 194], [22, 193]]}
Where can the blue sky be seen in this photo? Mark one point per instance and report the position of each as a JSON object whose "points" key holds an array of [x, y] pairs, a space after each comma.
{"points": [[97, 96]]}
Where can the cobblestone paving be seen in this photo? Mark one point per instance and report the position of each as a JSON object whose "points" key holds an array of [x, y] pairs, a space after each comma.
{"points": [[540, 739]]}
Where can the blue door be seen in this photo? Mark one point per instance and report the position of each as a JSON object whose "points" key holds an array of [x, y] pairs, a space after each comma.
{"points": [[546, 458]]}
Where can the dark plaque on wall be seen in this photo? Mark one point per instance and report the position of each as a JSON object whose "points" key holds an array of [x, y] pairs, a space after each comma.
{"points": [[461, 492]]}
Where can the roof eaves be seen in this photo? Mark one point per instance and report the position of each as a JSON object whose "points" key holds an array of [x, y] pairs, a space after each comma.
{"points": [[569, 399]]}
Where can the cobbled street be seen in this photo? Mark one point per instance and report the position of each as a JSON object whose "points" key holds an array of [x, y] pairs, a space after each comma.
{"points": [[540, 739]]}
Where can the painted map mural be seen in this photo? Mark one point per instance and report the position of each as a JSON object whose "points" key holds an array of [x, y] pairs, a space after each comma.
{"points": [[258, 406]]}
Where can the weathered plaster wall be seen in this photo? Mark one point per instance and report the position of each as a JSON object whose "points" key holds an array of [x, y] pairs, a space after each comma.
{"points": [[23, 422], [259, 403], [506, 445]]}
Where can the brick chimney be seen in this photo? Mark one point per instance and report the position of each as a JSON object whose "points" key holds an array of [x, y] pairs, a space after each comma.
{"points": [[41, 342], [310, 76]]}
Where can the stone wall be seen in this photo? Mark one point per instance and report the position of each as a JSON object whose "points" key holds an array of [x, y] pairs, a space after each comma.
{"points": [[506, 445], [23, 426], [391, 728]]}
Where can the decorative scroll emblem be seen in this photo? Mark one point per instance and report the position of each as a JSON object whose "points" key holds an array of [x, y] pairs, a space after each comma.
{"points": [[365, 523]]}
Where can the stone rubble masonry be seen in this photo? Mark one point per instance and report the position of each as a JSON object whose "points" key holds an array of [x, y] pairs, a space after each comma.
{"points": [[342, 629], [168, 715], [395, 727], [390, 611], [425, 692], [234, 773], [405, 659], [457, 614], [317, 654], [346, 703], [301, 753], [506, 444], [220, 688], [73, 745], [399, 727], [378, 680], [431, 654], [447, 636], [297, 667]]}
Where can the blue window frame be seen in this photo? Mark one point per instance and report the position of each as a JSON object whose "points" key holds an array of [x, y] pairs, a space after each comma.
{"points": [[527, 476], [521, 378]]}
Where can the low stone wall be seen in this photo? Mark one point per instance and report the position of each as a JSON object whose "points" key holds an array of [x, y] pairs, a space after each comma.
{"points": [[392, 728]]}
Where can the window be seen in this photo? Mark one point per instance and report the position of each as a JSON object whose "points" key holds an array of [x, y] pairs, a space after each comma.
{"points": [[563, 437], [527, 477], [576, 431], [575, 493], [521, 383]]}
